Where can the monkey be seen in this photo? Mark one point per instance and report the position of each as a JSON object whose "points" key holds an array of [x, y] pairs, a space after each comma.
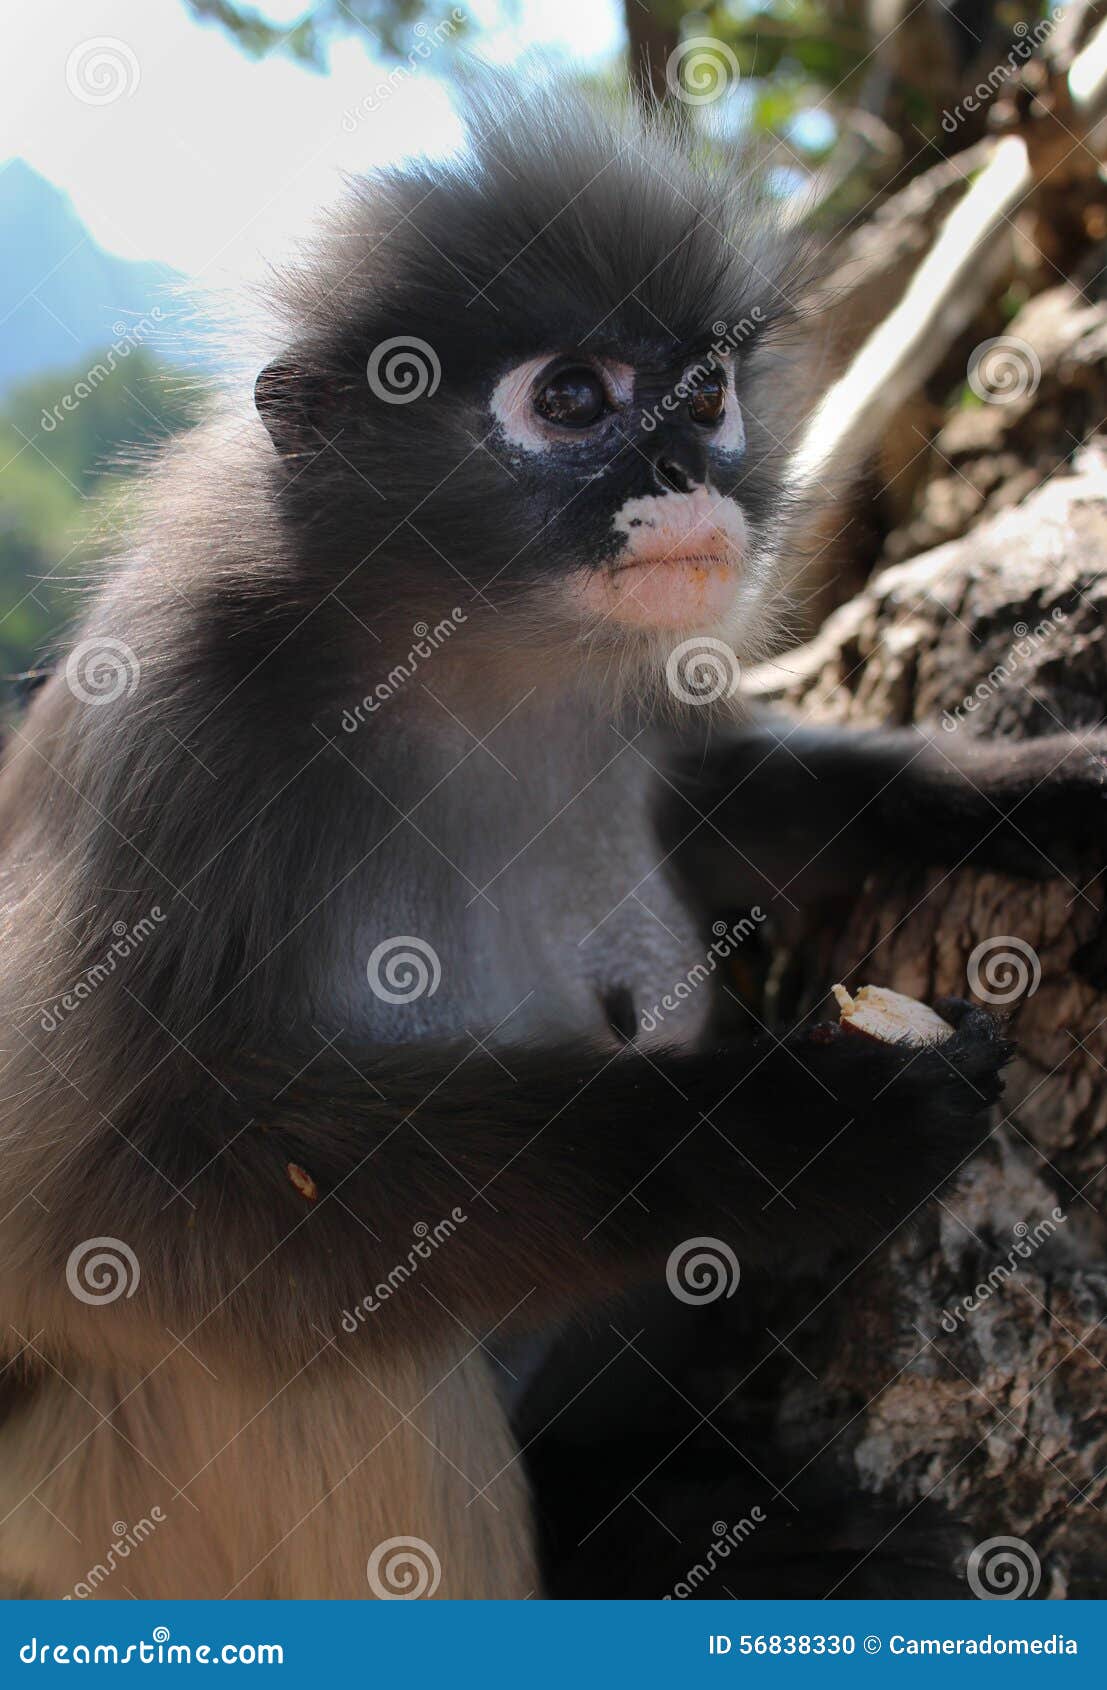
{"points": [[365, 812]]}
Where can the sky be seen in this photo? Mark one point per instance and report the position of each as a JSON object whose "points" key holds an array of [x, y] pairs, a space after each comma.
{"points": [[213, 162]]}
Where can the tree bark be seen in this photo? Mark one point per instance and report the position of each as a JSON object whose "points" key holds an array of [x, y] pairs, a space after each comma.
{"points": [[957, 1381]]}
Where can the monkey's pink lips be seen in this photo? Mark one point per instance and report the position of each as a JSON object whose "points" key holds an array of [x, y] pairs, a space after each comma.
{"points": [[657, 587], [720, 559]]}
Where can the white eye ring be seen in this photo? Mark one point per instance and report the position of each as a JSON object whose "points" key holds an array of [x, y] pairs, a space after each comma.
{"points": [[512, 402]]}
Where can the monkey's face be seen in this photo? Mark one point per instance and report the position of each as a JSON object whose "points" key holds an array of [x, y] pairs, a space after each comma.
{"points": [[544, 378], [624, 488], [634, 466]]}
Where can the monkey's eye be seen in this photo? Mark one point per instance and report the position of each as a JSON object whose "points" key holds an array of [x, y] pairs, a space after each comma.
{"points": [[573, 397], [708, 401]]}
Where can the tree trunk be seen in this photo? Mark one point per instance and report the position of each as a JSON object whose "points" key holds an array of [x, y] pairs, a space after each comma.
{"points": [[653, 32], [958, 1379]]}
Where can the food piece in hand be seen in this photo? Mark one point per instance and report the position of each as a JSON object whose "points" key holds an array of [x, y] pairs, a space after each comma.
{"points": [[878, 1013]]}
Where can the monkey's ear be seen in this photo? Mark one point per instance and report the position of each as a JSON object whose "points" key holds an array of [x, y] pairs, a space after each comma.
{"points": [[292, 401]]}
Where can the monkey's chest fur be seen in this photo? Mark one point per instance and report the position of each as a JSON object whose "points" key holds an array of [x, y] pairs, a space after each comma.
{"points": [[517, 892]]}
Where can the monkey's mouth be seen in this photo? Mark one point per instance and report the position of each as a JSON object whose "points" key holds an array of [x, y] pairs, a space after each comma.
{"points": [[720, 557], [680, 564], [692, 586]]}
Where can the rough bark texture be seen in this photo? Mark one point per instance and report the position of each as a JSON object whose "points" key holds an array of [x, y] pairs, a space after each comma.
{"points": [[964, 1423], [1054, 362]]}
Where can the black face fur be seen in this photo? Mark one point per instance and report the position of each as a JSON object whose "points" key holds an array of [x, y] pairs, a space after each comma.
{"points": [[563, 239]]}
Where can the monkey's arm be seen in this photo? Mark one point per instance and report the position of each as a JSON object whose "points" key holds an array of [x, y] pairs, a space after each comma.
{"points": [[812, 810], [575, 1174]]}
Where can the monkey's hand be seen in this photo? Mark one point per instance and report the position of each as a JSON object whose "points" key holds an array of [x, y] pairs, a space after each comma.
{"points": [[898, 1120]]}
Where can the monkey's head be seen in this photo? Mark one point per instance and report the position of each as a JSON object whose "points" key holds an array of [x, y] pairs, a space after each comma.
{"points": [[540, 378]]}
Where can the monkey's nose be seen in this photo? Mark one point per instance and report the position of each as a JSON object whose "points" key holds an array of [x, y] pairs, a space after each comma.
{"points": [[678, 467]]}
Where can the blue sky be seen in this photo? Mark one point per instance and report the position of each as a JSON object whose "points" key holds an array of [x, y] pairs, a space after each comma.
{"points": [[210, 161]]}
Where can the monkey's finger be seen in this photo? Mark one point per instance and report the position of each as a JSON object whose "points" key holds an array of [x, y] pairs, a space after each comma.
{"points": [[968, 1018]]}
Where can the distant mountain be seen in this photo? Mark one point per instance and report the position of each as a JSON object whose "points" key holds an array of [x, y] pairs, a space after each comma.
{"points": [[62, 295]]}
